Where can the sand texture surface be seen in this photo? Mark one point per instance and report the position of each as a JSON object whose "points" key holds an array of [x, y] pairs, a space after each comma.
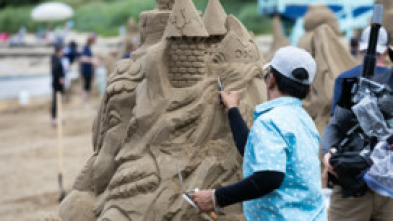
{"points": [[28, 159]]}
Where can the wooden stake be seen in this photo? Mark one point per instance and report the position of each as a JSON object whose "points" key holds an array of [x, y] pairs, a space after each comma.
{"points": [[60, 144]]}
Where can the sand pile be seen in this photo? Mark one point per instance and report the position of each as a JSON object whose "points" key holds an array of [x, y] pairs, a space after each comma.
{"points": [[160, 111]]}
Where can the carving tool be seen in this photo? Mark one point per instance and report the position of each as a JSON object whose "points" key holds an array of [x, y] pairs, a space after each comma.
{"points": [[212, 216], [220, 88]]}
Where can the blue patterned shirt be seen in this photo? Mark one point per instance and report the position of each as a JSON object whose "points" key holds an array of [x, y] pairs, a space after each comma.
{"points": [[284, 139]]}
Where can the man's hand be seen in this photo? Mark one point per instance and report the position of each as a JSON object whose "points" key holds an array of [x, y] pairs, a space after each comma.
{"points": [[62, 81], [326, 159], [95, 61], [203, 199], [230, 99]]}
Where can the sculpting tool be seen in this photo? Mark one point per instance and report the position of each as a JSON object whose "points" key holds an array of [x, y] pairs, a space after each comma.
{"points": [[220, 88], [212, 216]]}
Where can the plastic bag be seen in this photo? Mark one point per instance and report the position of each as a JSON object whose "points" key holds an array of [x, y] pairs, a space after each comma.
{"points": [[370, 118], [379, 177]]}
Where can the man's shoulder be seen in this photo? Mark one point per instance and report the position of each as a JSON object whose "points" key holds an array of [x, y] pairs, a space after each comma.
{"points": [[353, 72], [386, 78], [283, 117]]}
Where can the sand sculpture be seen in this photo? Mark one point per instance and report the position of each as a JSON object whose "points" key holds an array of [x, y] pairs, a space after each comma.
{"points": [[316, 16], [160, 110], [130, 41], [388, 16], [323, 41], [279, 38]]}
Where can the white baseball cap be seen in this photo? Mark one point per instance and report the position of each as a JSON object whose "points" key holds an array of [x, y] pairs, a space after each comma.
{"points": [[288, 59], [382, 43]]}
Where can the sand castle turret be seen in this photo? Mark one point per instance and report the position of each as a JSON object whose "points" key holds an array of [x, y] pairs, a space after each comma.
{"points": [[215, 18], [185, 21], [152, 25], [164, 4], [186, 32]]}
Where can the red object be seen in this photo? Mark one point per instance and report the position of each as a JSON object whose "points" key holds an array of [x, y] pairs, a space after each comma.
{"points": [[4, 36]]}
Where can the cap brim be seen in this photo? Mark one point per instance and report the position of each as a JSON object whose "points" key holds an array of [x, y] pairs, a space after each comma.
{"points": [[363, 46], [380, 49], [267, 65]]}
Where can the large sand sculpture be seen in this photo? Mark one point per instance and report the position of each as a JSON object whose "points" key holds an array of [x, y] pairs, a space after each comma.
{"points": [[388, 16], [160, 110], [323, 41]]}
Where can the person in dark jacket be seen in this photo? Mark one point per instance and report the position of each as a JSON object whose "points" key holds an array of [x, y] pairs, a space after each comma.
{"points": [[71, 52], [57, 79], [367, 205], [87, 67]]}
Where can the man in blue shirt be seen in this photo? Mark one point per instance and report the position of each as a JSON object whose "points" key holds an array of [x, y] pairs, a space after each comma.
{"points": [[281, 169]]}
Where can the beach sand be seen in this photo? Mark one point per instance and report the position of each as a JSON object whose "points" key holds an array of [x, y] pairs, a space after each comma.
{"points": [[28, 158]]}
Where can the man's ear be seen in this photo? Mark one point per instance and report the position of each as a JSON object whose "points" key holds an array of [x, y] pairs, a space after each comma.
{"points": [[272, 82]]}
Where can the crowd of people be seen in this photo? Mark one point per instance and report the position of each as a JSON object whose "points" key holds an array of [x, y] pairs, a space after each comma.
{"points": [[281, 166], [61, 61]]}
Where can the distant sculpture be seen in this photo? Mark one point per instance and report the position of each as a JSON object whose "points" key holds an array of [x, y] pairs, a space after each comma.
{"points": [[388, 17], [332, 56], [279, 38], [316, 16], [160, 113]]}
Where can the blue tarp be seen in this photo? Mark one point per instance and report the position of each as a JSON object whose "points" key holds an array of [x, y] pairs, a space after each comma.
{"points": [[294, 10]]}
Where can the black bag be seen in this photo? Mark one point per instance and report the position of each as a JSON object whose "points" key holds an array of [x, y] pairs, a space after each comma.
{"points": [[351, 161]]}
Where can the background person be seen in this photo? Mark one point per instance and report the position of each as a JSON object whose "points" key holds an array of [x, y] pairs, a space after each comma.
{"points": [[281, 168], [58, 75], [359, 204], [87, 67], [382, 45]]}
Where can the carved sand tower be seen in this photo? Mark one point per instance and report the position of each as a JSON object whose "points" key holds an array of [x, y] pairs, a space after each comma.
{"points": [[186, 34], [160, 113]]}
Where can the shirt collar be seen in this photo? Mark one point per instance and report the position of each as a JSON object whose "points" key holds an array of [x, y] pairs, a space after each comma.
{"points": [[281, 101]]}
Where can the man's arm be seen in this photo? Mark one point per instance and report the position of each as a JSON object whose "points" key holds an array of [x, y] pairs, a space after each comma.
{"points": [[231, 100], [239, 129], [255, 186], [334, 133], [336, 94]]}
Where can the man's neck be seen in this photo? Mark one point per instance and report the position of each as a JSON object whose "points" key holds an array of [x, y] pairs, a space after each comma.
{"points": [[380, 61], [274, 94]]}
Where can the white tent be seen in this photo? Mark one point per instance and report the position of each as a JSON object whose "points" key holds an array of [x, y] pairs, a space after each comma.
{"points": [[52, 11]]}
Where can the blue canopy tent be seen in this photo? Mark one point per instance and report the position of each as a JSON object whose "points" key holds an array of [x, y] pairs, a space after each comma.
{"points": [[350, 14]]}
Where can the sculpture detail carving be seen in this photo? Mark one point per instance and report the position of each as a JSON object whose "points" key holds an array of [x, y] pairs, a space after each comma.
{"points": [[160, 109]]}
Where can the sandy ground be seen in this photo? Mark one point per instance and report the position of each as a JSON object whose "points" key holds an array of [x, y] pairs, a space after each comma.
{"points": [[28, 158]]}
